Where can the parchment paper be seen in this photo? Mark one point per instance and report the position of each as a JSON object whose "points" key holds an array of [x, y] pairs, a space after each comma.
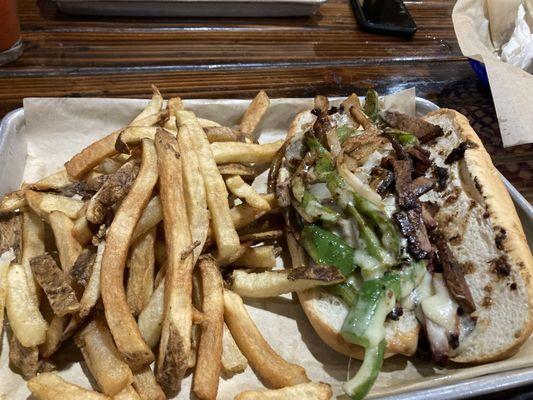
{"points": [[58, 128], [511, 87]]}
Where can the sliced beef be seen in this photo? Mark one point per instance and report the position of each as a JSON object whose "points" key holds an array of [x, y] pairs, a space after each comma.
{"points": [[421, 185], [401, 153], [420, 159], [427, 217], [381, 179], [454, 277], [414, 230], [459, 152], [441, 176], [403, 170], [423, 130]]}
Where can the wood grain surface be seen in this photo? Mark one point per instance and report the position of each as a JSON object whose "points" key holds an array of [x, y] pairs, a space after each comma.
{"points": [[235, 57]]}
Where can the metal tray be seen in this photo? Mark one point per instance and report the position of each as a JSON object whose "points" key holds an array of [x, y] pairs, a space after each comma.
{"points": [[12, 166], [191, 8]]}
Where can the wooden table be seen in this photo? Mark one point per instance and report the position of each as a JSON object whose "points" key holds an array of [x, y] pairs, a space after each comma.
{"points": [[326, 54]]}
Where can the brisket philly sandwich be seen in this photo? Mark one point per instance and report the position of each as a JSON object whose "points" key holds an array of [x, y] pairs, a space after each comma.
{"points": [[414, 215]]}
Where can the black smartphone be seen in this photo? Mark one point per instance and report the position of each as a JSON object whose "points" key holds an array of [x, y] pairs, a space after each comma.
{"points": [[388, 17]]}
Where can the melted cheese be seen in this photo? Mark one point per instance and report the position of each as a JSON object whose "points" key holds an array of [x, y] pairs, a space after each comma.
{"points": [[440, 308]]}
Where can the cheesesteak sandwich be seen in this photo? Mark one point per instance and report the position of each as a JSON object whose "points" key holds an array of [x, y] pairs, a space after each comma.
{"points": [[414, 216]]}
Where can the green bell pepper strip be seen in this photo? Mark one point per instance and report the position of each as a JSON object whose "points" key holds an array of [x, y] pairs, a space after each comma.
{"points": [[324, 162], [345, 291], [359, 386], [325, 247], [405, 138], [298, 188], [344, 132], [314, 209], [390, 236], [371, 107]]}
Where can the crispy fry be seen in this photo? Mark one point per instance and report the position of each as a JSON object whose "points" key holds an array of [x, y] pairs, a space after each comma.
{"points": [[121, 323], [141, 272], [151, 317], [55, 284], [244, 191], [49, 386], [274, 283], [153, 107], [56, 181], [112, 191], [261, 236], [237, 169], [23, 359], [102, 358], [207, 123], [91, 294], [207, 372], [194, 187], [275, 371], [228, 152], [11, 235], [225, 261], [303, 391], [233, 361], [69, 248], [83, 267], [258, 257], [223, 134], [5, 260], [45, 203], [151, 216], [54, 336], [81, 230], [254, 113], [32, 245], [146, 386], [128, 393], [175, 344], [25, 319], [12, 201], [217, 195], [108, 166]]}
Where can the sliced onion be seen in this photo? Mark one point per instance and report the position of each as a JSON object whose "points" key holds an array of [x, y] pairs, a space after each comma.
{"points": [[320, 191], [361, 188]]}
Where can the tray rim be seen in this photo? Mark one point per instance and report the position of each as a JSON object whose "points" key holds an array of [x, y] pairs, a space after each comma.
{"points": [[467, 388]]}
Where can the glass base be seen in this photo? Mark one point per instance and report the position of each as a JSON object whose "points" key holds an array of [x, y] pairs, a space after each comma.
{"points": [[11, 54]]}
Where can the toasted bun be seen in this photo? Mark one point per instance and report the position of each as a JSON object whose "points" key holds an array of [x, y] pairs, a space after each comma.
{"points": [[480, 222]]}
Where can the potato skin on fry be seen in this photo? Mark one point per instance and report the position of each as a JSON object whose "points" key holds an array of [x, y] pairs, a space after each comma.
{"points": [[50, 386]]}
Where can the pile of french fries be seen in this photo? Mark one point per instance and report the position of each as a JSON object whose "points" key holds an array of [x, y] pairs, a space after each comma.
{"points": [[138, 252]]}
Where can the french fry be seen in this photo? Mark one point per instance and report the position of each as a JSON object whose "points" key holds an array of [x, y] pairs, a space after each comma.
{"points": [[83, 267], [175, 343], [25, 319], [49, 386], [237, 169], [128, 393], [151, 317], [254, 113], [273, 283], [23, 359], [91, 294], [55, 284], [121, 323], [223, 134], [263, 257], [112, 191], [43, 204], [193, 185], [146, 386], [151, 216], [57, 181], [153, 107], [207, 123], [141, 272], [102, 358], [217, 195], [232, 360], [81, 230], [207, 372], [225, 261], [5, 260], [108, 166], [68, 248], [12, 201], [11, 234], [54, 336], [232, 152], [261, 236], [79, 165], [32, 245], [274, 370], [244, 191], [303, 391]]}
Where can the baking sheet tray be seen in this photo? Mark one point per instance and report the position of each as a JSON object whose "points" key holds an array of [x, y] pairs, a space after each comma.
{"points": [[12, 165], [191, 8]]}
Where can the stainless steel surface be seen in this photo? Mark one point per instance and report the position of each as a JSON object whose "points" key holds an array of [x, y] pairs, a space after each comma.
{"points": [[191, 8], [12, 161]]}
